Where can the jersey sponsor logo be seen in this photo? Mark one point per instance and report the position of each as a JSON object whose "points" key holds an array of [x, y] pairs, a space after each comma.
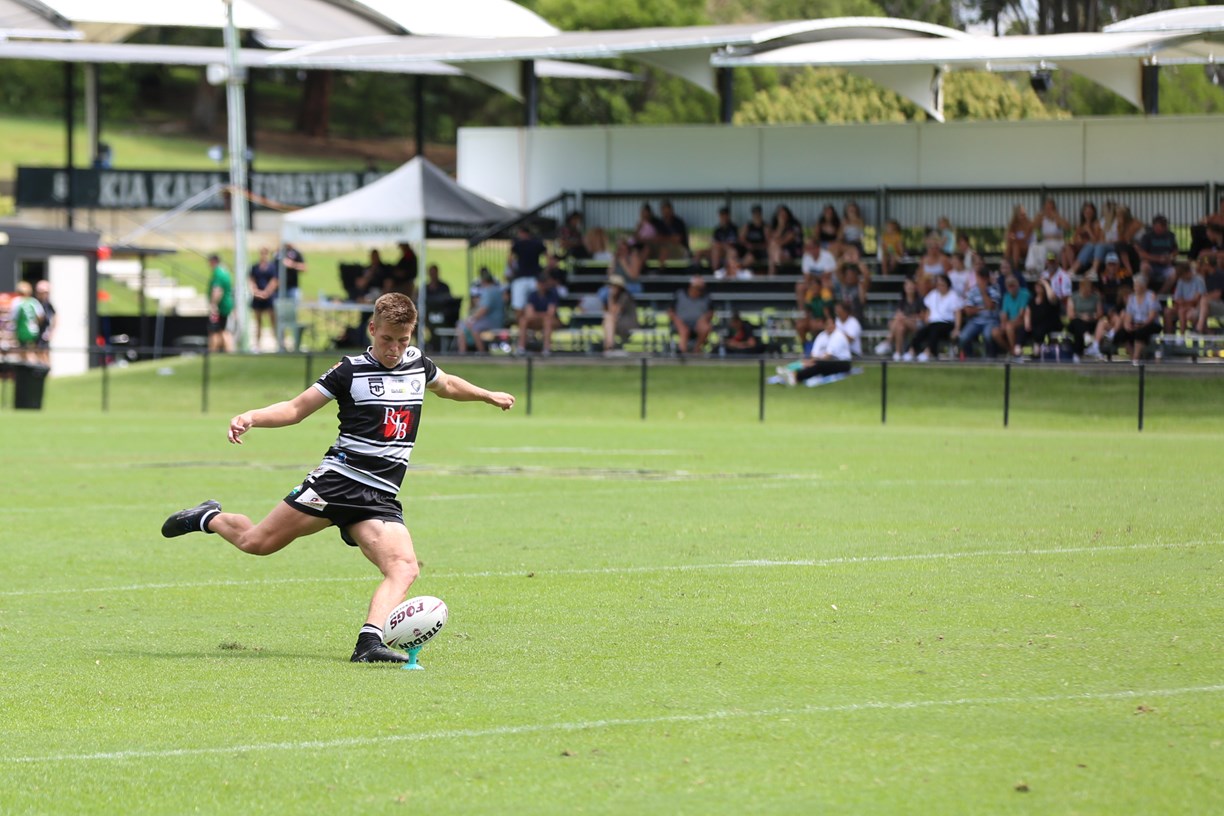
{"points": [[416, 386], [310, 498], [396, 423], [376, 386]]}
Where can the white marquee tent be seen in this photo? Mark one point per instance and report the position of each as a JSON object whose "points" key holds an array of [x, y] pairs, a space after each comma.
{"points": [[415, 202]]}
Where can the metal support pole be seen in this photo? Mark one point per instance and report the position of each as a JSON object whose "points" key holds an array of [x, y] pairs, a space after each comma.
{"points": [[643, 388], [726, 95], [1006, 393], [204, 384], [309, 369], [105, 379], [531, 93], [884, 393], [1142, 390], [235, 109], [761, 389], [530, 382], [418, 94], [70, 134], [1150, 86]]}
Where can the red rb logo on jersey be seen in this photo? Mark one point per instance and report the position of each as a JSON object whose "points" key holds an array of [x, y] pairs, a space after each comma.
{"points": [[396, 424]]}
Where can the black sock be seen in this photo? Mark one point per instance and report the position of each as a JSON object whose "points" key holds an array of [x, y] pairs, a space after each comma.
{"points": [[370, 634]]}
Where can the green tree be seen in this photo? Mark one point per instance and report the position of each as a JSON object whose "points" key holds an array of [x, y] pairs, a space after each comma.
{"points": [[834, 96]]}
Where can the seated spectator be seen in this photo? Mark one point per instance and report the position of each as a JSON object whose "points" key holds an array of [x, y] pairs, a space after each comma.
{"points": [[724, 240], [1158, 246], [574, 242], [1189, 289], [1127, 228], [692, 316], [1115, 290], [939, 318], [627, 264], [673, 239], [442, 308], [905, 321], [1084, 310], [828, 227], [1049, 230], [556, 272], [892, 247], [1006, 270], [1088, 240], [1140, 321], [523, 266], [947, 235], [817, 258], [754, 237], [1013, 316], [831, 354], [369, 285], [733, 269], [402, 276], [1019, 236], [488, 314], [620, 317], [969, 258], [1200, 233], [931, 265], [645, 237], [1060, 280], [1212, 302], [979, 315], [1044, 318], [850, 281], [785, 239], [848, 324], [853, 228], [961, 276], [1213, 243], [540, 313], [742, 338], [814, 297]]}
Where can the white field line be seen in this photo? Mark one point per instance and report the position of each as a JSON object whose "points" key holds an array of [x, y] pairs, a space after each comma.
{"points": [[666, 568], [593, 451], [591, 725]]}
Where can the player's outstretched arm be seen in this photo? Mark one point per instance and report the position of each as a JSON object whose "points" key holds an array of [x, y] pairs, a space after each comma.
{"points": [[277, 415], [448, 386]]}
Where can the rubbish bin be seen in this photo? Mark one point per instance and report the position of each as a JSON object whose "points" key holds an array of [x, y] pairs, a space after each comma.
{"points": [[29, 379]]}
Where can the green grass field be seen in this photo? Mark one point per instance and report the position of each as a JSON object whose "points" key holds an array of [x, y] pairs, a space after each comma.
{"points": [[695, 614]]}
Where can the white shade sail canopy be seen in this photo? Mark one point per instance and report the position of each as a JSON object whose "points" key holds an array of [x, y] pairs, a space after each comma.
{"points": [[412, 203], [1192, 18], [19, 21]]}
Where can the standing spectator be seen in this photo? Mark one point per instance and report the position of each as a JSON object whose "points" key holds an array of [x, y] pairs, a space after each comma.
{"points": [[488, 314], [742, 338], [1158, 246], [1019, 236], [1049, 234], [785, 239], [692, 315], [295, 265], [939, 319], [979, 316], [540, 313], [892, 247], [263, 280], [370, 281], [754, 237], [905, 321], [620, 315], [1140, 321], [221, 304], [1084, 313], [42, 293], [1189, 289], [828, 226], [1212, 302], [724, 241], [523, 266], [673, 233], [27, 317], [1013, 315], [853, 228]]}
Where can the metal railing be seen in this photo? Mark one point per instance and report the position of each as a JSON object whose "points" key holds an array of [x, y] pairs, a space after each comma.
{"points": [[491, 247]]}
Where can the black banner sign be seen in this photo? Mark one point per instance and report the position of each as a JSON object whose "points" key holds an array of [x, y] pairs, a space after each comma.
{"points": [[166, 189]]}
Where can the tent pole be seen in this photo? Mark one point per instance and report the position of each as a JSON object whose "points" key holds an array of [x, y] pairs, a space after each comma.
{"points": [[422, 291]]}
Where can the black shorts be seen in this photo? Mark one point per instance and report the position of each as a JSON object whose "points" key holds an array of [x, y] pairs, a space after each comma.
{"points": [[261, 304], [343, 502], [217, 322]]}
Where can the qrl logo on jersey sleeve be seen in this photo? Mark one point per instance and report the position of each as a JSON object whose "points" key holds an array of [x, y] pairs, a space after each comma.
{"points": [[397, 423]]}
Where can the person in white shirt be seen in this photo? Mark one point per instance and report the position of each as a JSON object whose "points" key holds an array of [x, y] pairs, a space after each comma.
{"points": [[961, 275], [1058, 274], [831, 354], [941, 307], [817, 259], [848, 325]]}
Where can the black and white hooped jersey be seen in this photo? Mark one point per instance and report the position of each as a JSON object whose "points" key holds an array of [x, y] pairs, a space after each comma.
{"points": [[380, 409]]}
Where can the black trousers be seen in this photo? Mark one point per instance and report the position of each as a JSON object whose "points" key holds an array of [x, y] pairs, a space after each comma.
{"points": [[822, 368], [1078, 327], [930, 337]]}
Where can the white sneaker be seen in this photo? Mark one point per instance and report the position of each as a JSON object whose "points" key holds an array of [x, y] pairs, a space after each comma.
{"points": [[791, 379], [924, 357], [883, 347], [896, 356], [908, 357], [1075, 358]]}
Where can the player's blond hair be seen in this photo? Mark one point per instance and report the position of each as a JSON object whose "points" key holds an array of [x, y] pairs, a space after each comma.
{"points": [[395, 308]]}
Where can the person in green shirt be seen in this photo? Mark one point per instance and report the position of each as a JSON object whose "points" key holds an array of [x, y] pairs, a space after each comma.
{"points": [[221, 303]]}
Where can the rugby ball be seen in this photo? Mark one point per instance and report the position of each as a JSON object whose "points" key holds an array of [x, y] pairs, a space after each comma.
{"points": [[415, 622]]}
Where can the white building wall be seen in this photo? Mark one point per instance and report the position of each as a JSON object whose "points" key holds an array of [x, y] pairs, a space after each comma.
{"points": [[526, 166]]}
